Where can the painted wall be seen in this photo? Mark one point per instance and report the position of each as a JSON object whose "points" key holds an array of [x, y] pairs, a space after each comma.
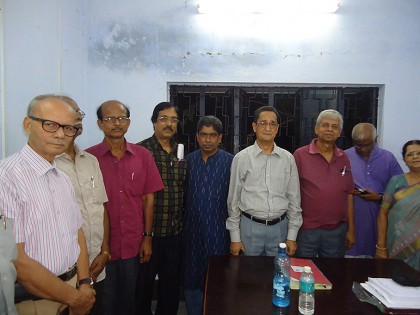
{"points": [[129, 50]]}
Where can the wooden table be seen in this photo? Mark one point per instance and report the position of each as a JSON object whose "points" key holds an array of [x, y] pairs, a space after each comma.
{"points": [[240, 285]]}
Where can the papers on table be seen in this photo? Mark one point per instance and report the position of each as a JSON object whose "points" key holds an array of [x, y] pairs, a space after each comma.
{"points": [[392, 294]]}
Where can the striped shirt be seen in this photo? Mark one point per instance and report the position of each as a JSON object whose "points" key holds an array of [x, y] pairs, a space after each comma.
{"points": [[40, 198], [169, 202]]}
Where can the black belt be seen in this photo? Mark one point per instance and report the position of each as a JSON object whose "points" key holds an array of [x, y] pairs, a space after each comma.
{"points": [[69, 274], [266, 222], [22, 295]]}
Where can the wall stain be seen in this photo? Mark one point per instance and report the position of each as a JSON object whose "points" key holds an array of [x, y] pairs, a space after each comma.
{"points": [[148, 46]]}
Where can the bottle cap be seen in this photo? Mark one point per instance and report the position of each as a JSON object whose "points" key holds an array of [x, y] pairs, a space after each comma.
{"points": [[307, 269], [282, 245]]}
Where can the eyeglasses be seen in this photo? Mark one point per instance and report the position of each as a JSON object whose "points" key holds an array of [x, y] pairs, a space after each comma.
{"points": [[212, 135], [81, 113], [113, 120], [52, 126], [166, 119], [263, 124], [413, 154]]}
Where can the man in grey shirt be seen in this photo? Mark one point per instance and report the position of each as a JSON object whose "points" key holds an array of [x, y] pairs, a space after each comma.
{"points": [[264, 193]]}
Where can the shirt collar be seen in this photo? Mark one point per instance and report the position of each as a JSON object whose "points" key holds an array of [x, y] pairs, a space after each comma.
{"points": [[313, 149], [40, 165], [103, 148], [79, 153], [256, 150], [157, 144]]}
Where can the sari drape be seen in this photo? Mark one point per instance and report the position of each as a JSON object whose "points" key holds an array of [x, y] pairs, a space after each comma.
{"points": [[403, 234]]}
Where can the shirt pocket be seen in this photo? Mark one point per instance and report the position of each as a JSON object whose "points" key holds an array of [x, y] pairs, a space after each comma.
{"points": [[91, 192]]}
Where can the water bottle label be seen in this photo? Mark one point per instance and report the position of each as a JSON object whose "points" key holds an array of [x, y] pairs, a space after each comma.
{"points": [[307, 287]]}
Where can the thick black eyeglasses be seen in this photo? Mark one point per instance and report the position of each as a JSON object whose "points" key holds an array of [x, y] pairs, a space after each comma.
{"points": [[52, 126]]}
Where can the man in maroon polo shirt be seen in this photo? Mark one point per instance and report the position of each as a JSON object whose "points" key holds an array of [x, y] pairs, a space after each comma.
{"points": [[326, 185]]}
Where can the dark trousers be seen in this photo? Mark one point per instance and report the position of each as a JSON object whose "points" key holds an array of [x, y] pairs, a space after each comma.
{"points": [[322, 243], [120, 286], [166, 263], [97, 308]]}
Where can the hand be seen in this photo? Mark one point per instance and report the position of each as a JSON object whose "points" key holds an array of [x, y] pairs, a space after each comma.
{"points": [[381, 254], [145, 251], [350, 238], [369, 195], [84, 301], [291, 247], [236, 247], [98, 264]]}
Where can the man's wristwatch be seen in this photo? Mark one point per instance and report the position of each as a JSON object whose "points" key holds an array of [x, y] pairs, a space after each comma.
{"points": [[85, 281], [150, 234]]}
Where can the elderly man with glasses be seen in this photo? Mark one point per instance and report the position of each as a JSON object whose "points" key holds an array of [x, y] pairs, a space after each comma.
{"points": [[131, 179], [372, 168], [264, 196], [168, 215], [48, 224]]}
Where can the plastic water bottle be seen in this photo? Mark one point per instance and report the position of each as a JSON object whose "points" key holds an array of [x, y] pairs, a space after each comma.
{"points": [[307, 292], [281, 280]]}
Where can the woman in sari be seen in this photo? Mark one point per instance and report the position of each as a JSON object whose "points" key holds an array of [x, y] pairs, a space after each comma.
{"points": [[399, 216]]}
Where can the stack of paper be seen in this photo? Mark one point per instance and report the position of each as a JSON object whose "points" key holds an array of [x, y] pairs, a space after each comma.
{"points": [[392, 294]]}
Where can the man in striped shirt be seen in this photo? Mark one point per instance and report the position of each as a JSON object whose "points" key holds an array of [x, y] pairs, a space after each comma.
{"points": [[48, 223]]}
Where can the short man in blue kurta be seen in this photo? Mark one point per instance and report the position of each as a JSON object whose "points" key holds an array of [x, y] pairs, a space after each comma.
{"points": [[372, 168], [208, 174]]}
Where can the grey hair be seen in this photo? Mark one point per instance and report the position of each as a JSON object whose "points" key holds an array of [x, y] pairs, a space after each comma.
{"points": [[37, 99], [332, 114], [360, 129]]}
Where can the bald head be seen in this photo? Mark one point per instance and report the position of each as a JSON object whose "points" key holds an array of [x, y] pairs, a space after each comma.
{"points": [[100, 111], [38, 101], [364, 131], [364, 139]]}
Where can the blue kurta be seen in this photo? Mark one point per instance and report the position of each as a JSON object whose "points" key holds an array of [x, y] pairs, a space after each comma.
{"points": [[205, 214]]}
